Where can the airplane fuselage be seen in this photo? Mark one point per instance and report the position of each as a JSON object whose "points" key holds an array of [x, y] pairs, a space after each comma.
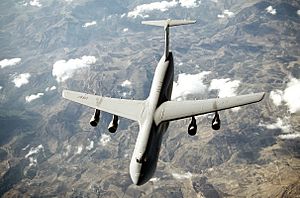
{"points": [[145, 156]]}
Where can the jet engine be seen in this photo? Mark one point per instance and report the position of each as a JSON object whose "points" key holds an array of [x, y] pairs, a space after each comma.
{"points": [[192, 129], [113, 125], [216, 122], [95, 118]]}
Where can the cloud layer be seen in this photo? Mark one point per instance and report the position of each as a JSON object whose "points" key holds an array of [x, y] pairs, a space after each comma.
{"points": [[144, 9], [291, 96], [126, 83], [178, 176], [92, 23], [226, 87], [280, 124], [189, 3], [63, 69], [104, 139], [271, 10], [9, 62], [188, 85], [21, 79], [50, 88], [33, 97], [290, 136], [226, 14]]}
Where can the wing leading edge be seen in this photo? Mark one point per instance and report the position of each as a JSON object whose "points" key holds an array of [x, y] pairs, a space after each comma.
{"points": [[175, 110], [130, 109]]}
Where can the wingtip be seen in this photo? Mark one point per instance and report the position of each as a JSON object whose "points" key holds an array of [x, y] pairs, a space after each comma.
{"points": [[64, 92], [263, 95]]}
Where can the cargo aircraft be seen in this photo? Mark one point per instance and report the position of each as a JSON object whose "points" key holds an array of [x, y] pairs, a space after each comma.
{"points": [[155, 112]]}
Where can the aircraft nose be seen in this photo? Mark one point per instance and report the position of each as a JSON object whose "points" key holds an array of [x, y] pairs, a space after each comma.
{"points": [[135, 178], [135, 172]]}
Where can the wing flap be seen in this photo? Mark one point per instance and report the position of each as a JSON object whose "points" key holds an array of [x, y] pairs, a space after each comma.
{"points": [[130, 109], [174, 110]]}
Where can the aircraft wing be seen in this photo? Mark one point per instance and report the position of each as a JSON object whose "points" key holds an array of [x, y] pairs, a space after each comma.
{"points": [[175, 110], [130, 109]]}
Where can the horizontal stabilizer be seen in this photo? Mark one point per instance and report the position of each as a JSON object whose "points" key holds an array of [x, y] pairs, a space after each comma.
{"points": [[168, 23]]}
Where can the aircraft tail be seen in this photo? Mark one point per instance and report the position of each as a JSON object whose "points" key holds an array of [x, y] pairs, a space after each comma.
{"points": [[168, 23]]}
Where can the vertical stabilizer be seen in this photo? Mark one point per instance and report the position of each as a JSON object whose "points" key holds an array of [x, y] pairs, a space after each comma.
{"points": [[166, 24]]}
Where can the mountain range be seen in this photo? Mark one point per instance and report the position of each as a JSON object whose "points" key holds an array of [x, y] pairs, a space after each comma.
{"points": [[48, 148]]}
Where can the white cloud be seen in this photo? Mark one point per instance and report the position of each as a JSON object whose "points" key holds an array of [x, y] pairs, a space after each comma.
{"points": [[142, 10], [125, 30], [277, 97], [104, 139], [33, 97], [21, 79], [32, 161], [291, 96], [126, 83], [189, 84], [271, 10], [298, 12], [9, 62], [187, 175], [226, 14], [189, 3], [50, 88], [26, 147], [63, 69], [221, 16], [226, 87], [289, 136], [280, 124], [1, 87], [35, 3], [88, 24], [90, 146], [34, 150], [79, 149], [154, 179]]}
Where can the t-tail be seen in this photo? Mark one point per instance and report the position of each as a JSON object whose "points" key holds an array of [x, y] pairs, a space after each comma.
{"points": [[166, 24]]}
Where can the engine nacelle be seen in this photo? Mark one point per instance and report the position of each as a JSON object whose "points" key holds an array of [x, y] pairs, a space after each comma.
{"points": [[216, 122], [192, 129], [113, 125], [95, 118]]}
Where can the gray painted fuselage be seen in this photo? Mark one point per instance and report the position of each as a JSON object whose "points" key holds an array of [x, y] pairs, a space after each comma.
{"points": [[145, 156]]}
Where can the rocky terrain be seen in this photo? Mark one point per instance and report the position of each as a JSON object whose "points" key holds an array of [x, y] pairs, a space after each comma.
{"points": [[48, 148]]}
